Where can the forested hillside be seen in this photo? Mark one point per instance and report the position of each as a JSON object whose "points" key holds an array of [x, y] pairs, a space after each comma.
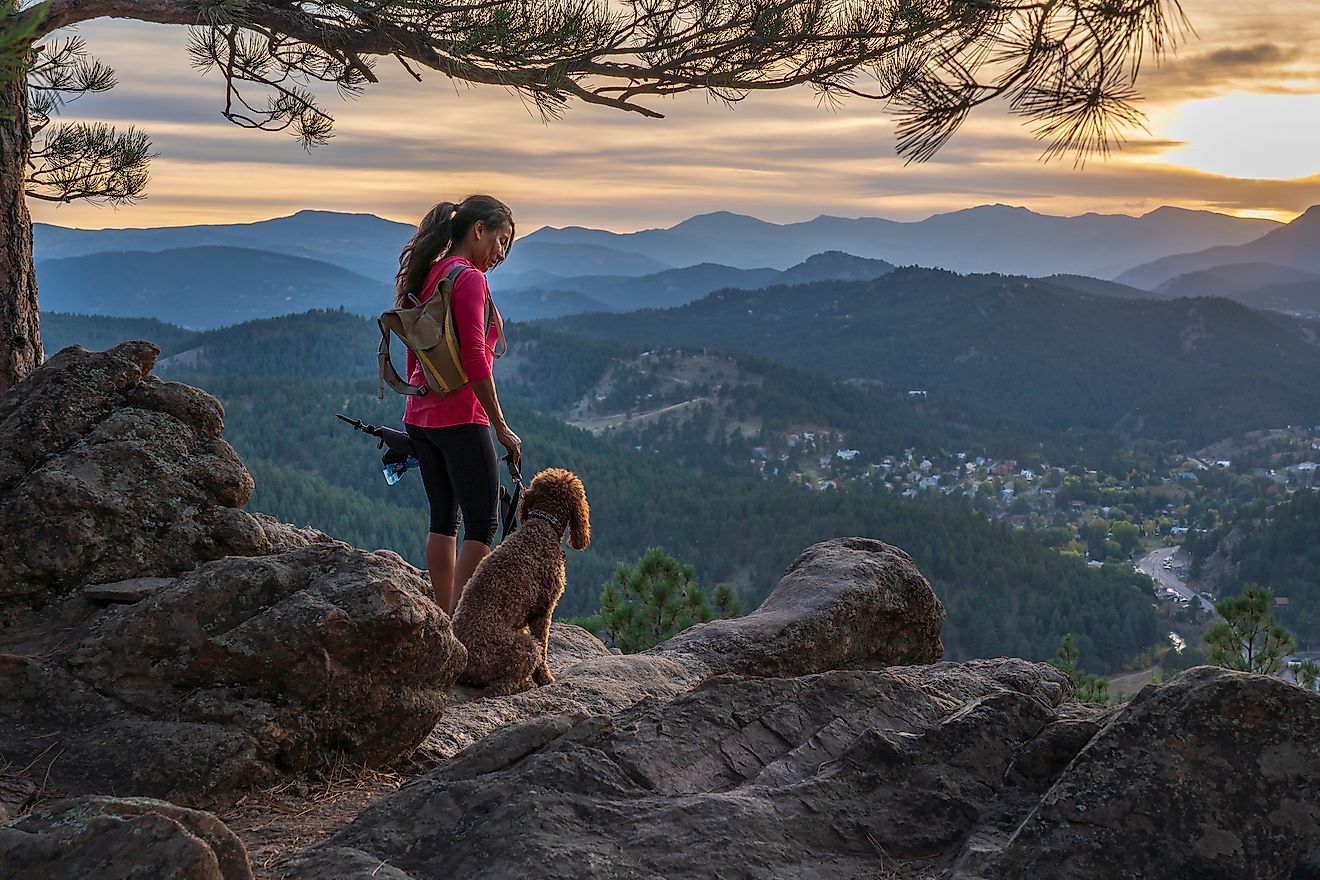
{"points": [[1006, 592], [1278, 548], [97, 332], [722, 406], [1193, 370]]}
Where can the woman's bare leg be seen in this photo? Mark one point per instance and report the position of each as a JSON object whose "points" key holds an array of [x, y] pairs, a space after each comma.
{"points": [[440, 561], [471, 553]]}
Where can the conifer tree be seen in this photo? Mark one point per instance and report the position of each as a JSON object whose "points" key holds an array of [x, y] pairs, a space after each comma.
{"points": [[642, 605], [1090, 688], [1249, 639]]}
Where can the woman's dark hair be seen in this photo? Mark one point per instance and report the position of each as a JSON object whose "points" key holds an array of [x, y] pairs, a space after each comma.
{"points": [[442, 226]]}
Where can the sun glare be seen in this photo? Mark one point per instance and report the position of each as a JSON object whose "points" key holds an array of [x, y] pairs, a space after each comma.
{"points": [[1262, 137]]}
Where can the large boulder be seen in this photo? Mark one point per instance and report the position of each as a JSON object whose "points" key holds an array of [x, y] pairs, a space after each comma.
{"points": [[841, 774], [156, 639], [239, 670], [108, 473], [845, 602], [1215, 775], [841, 602], [98, 838]]}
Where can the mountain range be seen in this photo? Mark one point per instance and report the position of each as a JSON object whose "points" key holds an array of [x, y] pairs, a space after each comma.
{"points": [[362, 243], [1292, 246], [988, 238], [204, 276]]}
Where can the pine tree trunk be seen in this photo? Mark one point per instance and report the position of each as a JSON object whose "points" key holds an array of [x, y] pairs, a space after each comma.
{"points": [[20, 323]]}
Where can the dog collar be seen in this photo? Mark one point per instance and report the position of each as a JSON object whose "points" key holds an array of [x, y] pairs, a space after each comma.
{"points": [[541, 514]]}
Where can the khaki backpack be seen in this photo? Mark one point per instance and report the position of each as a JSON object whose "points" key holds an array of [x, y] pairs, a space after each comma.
{"points": [[429, 332]]}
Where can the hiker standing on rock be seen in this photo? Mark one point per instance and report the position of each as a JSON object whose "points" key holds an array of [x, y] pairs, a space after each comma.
{"points": [[451, 434]]}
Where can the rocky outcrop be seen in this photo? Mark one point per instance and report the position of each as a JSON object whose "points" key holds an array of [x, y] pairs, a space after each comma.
{"points": [[593, 685], [975, 771], [845, 602], [157, 640], [238, 671], [108, 473], [841, 602], [101, 837], [1213, 775], [822, 775]]}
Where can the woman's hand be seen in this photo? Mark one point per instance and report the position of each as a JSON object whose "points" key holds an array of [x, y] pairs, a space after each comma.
{"points": [[511, 442]]}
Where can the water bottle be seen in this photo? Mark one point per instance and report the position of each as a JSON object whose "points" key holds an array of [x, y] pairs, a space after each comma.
{"points": [[396, 469]]}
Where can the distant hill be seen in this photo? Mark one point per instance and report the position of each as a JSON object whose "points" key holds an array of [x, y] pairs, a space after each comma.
{"points": [[1232, 279], [660, 290], [318, 344], [1100, 287], [1301, 298], [995, 238], [674, 287], [834, 266], [534, 304], [1189, 369], [1259, 285], [530, 261], [97, 332], [362, 243], [203, 287], [1276, 548], [1295, 246]]}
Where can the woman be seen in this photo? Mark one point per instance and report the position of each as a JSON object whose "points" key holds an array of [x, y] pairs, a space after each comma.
{"points": [[451, 435]]}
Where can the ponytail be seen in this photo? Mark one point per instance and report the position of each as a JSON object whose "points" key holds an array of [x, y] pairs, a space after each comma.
{"points": [[442, 226]]}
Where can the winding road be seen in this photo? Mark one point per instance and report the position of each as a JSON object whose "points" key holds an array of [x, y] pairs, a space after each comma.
{"points": [[1153, 564]]}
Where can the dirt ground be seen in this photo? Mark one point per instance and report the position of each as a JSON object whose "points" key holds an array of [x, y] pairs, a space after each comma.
{"points": [[277, 823]]}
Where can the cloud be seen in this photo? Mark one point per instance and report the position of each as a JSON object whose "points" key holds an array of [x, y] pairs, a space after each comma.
{"points": [[405, 145], [1258, 67]]}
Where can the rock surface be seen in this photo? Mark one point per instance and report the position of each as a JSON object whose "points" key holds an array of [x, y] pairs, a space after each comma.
{"points": [[99, 837], [845, 601], [108, 473], [842, 602], [1215, 774], [975, 771], [240, 670], [131, 590], [157, 640], [16, 792], [821, 775]]}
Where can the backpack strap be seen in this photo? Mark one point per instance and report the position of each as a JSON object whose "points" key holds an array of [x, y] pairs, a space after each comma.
{"points": [[493, 315]]}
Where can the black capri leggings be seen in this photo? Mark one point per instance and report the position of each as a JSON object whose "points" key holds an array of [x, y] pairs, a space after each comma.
{"points": [[459, 471]]}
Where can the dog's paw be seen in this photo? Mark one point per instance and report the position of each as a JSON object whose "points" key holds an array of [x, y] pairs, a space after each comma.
{"points": [[543, 677]]}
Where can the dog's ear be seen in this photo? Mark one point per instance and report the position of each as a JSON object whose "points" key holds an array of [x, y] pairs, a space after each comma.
{"points": [[523, 506], [579, 517]]}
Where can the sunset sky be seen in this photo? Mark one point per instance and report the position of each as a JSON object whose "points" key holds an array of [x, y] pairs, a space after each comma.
{"points": [[1234, 119]]}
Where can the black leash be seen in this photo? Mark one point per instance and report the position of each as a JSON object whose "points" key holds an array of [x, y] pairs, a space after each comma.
{"points": [[509, 502]]}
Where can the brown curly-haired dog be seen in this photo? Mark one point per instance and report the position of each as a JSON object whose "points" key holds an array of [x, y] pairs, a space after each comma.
{"points": [[503, 617]]}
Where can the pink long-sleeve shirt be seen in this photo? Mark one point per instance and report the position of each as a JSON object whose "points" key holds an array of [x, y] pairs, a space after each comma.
{"points": [[476, 350]]}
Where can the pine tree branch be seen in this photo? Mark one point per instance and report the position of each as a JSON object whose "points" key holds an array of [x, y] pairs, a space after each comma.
{"points": [[1066, 66]]}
